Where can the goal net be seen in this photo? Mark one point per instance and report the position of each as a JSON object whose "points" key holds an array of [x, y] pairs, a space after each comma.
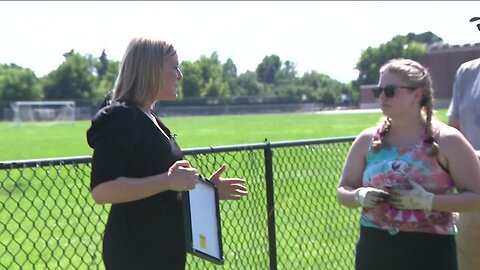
{"points": [[43, 111]]}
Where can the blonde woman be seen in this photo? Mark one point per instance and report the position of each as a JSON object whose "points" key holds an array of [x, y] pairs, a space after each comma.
{"points": [[139, 168], [408, 175]]}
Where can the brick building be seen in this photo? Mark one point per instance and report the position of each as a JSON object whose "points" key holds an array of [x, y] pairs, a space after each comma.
{"points": [[443, 63]]}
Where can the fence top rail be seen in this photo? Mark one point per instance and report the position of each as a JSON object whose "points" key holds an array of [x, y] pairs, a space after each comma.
{"points": [[13, 164], [312, 141], [28, 163], [246, 147], [50, 102]]}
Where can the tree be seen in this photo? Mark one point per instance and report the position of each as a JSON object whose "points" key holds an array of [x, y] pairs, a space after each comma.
{"points": [[106, 74], [192, 81], [248, 84], [102, 65], [287, 72], [212, 74], [322, 88], [73, 79], [427, 38], [215, 87], [286, 82], [204, 78], [229, 75], [267, 70], [17, 83], [373, 58]]}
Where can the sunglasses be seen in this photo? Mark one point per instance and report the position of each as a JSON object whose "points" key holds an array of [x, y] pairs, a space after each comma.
{"points": [[476, 19], [389, 90]]}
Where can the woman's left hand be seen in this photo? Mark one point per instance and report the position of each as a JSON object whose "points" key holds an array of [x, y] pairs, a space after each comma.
{"points": [[228, 188], [415, 198]]}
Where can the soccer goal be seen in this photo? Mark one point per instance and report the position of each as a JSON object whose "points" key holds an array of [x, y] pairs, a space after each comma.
{"points": [[43, 111]]}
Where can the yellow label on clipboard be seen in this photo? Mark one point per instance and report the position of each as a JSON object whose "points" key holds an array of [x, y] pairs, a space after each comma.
{"points": [[203, 241]]}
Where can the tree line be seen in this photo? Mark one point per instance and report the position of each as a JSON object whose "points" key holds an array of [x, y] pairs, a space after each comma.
{"points": [[85, 77]]}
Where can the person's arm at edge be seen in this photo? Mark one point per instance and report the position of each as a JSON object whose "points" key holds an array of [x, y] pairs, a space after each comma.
{"points": [[454, 122], [453, 107]]}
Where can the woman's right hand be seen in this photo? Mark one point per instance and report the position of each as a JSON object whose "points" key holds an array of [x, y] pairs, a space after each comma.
{"points": [[369, 197], [182, 176]]}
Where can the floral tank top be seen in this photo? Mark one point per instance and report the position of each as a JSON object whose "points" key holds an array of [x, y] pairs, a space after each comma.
{"points": [[392, 166]]}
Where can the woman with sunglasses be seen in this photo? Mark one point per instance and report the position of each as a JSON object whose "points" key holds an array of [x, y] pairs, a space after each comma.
{"points": [[408, 174]]}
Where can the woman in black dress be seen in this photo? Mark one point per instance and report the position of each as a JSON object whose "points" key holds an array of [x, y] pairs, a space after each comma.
{"points": [[138, 167]]}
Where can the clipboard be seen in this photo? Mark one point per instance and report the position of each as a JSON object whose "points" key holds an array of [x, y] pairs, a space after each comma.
{"points": [[201, 212]]}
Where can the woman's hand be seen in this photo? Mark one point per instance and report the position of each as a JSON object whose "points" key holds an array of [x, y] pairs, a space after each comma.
{"points": [[228, 188], [369, 197], [415, 198], [182, 177]]}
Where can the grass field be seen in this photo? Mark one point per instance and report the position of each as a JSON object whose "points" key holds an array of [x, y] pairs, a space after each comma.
{"points": [[40, 140], [39, 209]]}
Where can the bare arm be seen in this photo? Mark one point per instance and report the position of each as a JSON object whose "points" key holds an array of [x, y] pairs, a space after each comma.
{"points": [[351, 178], [180, 177], [464, 168]]}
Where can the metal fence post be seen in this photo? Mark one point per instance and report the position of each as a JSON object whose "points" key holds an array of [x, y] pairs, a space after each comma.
{"points": [[268, 152]]}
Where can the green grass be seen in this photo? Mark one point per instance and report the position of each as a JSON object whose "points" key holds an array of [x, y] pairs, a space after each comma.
{"points": [[34, 140], [40, 140], [304, 184]]}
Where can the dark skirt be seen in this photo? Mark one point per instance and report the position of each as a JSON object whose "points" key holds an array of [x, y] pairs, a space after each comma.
{"points": [[379, 250], [146, 240]]}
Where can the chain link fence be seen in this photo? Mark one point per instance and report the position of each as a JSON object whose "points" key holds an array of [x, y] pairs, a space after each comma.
{"points": [[289, 220]]}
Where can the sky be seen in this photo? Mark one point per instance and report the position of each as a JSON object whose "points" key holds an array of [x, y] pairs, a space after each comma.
{"points": [[325, 36]]}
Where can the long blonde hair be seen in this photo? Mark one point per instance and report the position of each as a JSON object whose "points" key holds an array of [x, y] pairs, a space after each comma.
{"points": [[415, 75], [140, 78]]}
